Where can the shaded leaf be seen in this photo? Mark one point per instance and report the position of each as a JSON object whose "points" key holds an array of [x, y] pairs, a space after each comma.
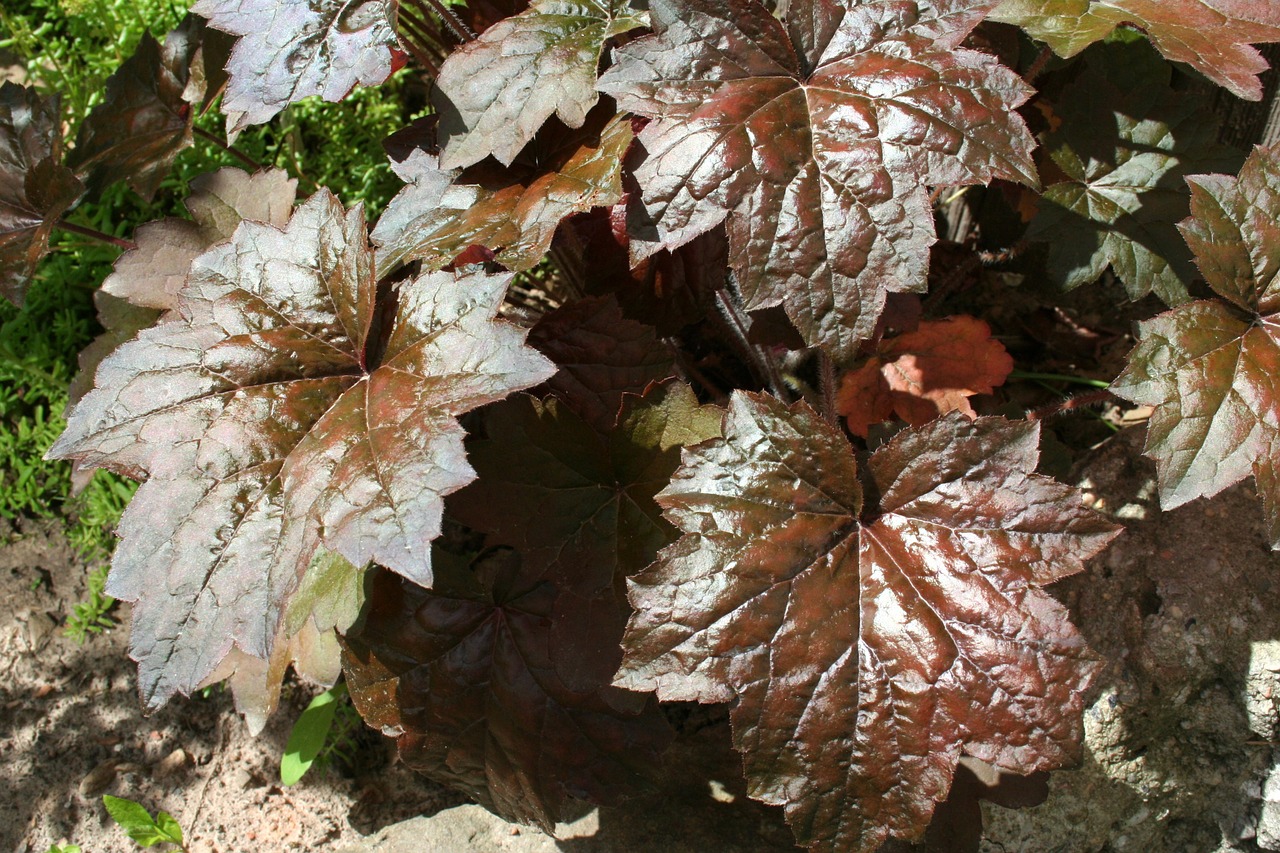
{"points": [[815, 137], [671, 290], [495, 92], [576, 500], [1212, 367], [460, 675], [264, 432], [513, 212], [601, 356], [923, 374], [291, 49], [146, 117], [1126, 142], [867, 639], [151, 275], [1212, 36], [35, 188]]}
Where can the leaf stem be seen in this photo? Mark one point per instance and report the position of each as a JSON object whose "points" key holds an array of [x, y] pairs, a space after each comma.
{"points": [[449, 18], [1038, 65], [1079, 401], [119, 242], [1059, 377], [759, 358], [827, 381], [230, 149]]}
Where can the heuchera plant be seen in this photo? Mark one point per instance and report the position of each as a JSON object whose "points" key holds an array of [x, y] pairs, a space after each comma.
{"points": [[607, 408]]}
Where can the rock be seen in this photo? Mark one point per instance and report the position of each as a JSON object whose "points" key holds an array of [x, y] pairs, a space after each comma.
{"points": [[1175, 739]]}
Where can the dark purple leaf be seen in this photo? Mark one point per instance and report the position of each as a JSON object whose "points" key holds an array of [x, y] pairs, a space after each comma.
{"points": [[1212, 367], [461, 676], [135, 134], [866, 641], [35, 188], [494, 93], [816, 138], [601, 356], [577, 502], [263, 432]]}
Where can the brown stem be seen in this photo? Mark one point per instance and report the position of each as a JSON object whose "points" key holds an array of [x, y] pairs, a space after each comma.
{"points": [[827, 381], [1079, 401], [449, 18], [96, 235], [232, 150], [977, 259], [1038, 65], [425, 40], [758, 357]]}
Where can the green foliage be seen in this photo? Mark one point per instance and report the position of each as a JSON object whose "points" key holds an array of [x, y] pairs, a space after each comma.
{"points": [[324, 731], [141, 826], [64, 848], [90, 616]]}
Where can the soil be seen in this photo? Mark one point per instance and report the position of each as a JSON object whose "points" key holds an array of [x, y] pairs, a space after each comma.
{"points": [[72, 729], [1180, 732]]}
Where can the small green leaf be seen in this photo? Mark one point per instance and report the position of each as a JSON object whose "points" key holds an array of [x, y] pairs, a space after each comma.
{"points": [[308, 735], [168, 828], [138, 823]]}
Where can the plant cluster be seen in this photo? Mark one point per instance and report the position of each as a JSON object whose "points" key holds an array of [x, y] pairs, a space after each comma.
{"points": [[629, 394]]}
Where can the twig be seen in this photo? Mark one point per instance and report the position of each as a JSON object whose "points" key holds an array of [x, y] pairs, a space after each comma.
{"points": [[230, 149], [119, 242]]}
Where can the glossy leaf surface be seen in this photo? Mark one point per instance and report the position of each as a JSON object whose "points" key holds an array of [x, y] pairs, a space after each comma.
{"points": [[264, 432], [1126, 141], [867, 638], [1212, 367], [35, 188], [816, 138], [923, 374], [513, 212], [495, 92], [460, 675], [146, 117], [1212, 36], [291, 49], [151, 275]]}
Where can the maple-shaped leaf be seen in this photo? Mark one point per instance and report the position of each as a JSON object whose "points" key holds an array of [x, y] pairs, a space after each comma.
{"points": [[1126, 142], [460, 674], [151, 275], [1212, 36], [1211, 368], [923, 374], [146, 116], [600, 356], [495, 92], [35, 188], [513, 212], [816, 137], [576, 499], [868, 638], [328, 601], [264, 432], [291, 49]]}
